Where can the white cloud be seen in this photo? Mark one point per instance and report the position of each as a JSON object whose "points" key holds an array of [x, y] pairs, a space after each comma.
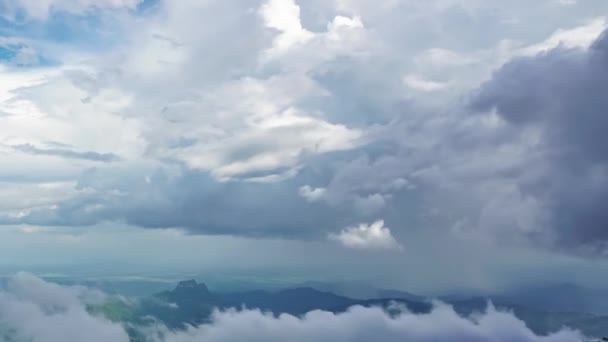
{"points": [[43, 111], [577, 37], [312, 194], [443, 57], [339, 28], [367, 236], [43, 107], [51, 296], [284, 16], [367, 324], [422, 84], [299, 50], [34, 310], [40, 9], [241, 125], [461, 70]]}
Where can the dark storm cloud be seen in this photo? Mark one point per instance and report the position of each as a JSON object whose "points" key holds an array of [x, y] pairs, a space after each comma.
{"points": [[193, 201], [67, 153], [561, 95]]}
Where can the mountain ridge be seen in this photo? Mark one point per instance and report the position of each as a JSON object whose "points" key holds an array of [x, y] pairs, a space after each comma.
{"points": [[192, 303]]}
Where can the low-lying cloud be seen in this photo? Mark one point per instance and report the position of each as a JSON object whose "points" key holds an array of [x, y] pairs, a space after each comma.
{"points": [[367, 324], [37, 311], [34, 310]]}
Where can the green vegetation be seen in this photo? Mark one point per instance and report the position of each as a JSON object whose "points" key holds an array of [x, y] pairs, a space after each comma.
{"points": [[114, 309]]}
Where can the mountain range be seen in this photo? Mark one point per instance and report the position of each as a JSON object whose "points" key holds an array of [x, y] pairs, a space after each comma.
{"points": [[192, 303]]}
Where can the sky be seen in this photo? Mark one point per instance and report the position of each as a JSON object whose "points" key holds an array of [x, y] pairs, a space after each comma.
{"points": [[427, 145]]}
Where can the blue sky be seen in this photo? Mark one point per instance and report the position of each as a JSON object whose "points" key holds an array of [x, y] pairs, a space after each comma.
{"points": [[305, 137]]}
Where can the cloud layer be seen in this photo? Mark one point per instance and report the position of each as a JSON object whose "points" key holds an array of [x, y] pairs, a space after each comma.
{"points": [[34, 310], [365, 324], [37, 311]]}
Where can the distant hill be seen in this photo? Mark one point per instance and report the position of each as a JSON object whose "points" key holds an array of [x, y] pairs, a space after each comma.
{"points": [[192, 303], [539, 321], [560, 298], [189, 303], [295, 301], [361, 291]]}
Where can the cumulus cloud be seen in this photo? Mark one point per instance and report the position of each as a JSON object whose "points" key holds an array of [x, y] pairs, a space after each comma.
{"points": [[252, 125], [367, 236], [370, 204], [67, 153], [284, 16], [578, 37]]}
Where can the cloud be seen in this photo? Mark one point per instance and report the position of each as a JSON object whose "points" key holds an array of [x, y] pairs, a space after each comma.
{"points": [[235, 120], [67, 153], [312, 194], [15, 197], [421, 84], [556, 97], [34, 310], [284, 16], [581, 36], [251, 153], [41, 9], [366, 324], [17, 52], [37, 311], [367, 236]]}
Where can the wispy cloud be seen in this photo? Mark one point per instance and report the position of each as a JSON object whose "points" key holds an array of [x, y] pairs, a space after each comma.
{"points": [[67, 153]]}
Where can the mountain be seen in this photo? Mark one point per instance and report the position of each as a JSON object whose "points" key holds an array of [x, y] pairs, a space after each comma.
{"points": [[192, 303], [361, 291], [540, 321], [189, 303], [559, 298], [295, 301], [188, 291]]}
